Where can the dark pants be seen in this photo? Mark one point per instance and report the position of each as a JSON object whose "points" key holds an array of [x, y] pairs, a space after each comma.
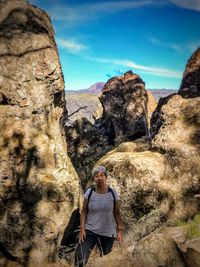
{"points": [[84, 249]]}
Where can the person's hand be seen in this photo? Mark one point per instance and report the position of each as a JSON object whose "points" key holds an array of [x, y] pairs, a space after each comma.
{"points": [[83, 235], [119, 236]]}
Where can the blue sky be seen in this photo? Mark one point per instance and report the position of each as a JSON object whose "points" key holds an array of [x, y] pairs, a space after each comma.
{"points": [[99, 39]]}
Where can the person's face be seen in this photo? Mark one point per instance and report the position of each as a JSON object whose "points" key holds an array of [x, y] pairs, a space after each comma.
{"points": [[100, 179]]}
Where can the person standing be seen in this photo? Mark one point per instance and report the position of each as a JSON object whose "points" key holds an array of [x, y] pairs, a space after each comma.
{"points": [[100, 215]]}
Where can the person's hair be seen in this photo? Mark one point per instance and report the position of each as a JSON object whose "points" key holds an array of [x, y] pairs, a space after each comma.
{"points": [[99, 169]]}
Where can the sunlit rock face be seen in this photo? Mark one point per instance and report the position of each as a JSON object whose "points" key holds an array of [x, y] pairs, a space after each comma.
{"points": [[124, 100], [186, 111], [38, 185], [190, 86], [151, 106], [179, 132], [157, 250]]}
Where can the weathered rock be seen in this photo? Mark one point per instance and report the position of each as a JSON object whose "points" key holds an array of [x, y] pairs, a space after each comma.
{"points": [[179, 131], [98, 112], [157, 119], [136, 176], [157, 250], [124, 100], [190, 86], [145, 226], [139, 145], [193, 252], [151, 106], [119, 257], [39, 188], [187, 238], [85, 146], [178, 234]]}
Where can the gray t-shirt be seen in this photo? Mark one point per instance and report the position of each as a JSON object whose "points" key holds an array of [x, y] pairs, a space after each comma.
{"points": [[100, 218]]}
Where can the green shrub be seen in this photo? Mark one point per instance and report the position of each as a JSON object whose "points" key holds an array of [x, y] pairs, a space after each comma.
{"points": [[191, 227]]}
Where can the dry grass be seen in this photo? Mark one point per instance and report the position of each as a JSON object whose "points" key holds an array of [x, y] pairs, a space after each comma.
{"points": [[191, 228], [75, 101]]}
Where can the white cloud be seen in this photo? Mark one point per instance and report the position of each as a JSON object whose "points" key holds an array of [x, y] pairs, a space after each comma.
{"points": [[71, 45], [130, 64], [86, 12], [165, 44], [192, 46], [189, 4]]}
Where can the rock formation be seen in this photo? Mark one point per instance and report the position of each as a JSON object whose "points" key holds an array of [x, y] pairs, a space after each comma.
{"points": [[156, 119], [193, 252], [124, 100], [157, 250], [190, 86], [38, 185], [179, 132], [151, 106]]}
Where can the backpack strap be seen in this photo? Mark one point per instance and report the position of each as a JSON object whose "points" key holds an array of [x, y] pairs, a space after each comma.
{"points": [[110, 190], [89, 196]]}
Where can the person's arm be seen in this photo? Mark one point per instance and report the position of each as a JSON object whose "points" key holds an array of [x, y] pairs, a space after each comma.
{"points": [[118, 221], [83, 219]]}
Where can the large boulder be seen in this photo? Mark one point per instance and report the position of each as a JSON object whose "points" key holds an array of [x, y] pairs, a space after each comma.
{"points": [[179, 131], [193, 252], [157, 250], [136, 172], [190, 86], [39, 188], [124, 100], [156, 120]]}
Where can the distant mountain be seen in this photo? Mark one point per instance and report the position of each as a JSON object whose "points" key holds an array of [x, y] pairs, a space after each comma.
{"points": [[87, 100], [158, 93], [97, 88]]}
